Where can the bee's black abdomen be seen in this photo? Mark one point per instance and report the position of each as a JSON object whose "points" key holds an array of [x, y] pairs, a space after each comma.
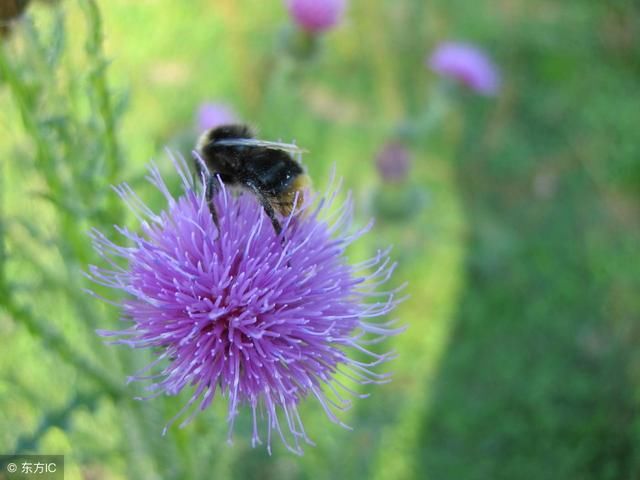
{"points": [[274, 170]]}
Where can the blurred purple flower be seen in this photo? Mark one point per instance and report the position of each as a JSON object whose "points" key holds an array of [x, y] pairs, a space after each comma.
{"points": [[264, 320], [393, 162], [211, 115], [467, 64], [316, 16]]}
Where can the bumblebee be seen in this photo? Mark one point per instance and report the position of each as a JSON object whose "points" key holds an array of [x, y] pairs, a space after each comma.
{"points": [[268, 170]]}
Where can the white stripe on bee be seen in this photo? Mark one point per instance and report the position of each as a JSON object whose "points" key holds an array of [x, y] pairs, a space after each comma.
{"points": [[252, 142]]}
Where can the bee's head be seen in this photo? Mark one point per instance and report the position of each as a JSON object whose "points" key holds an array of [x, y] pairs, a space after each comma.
{"points": [[216, 155], [227, 132]]}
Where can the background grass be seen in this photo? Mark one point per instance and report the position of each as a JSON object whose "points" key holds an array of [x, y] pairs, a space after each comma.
{"points": [[520, 359]]}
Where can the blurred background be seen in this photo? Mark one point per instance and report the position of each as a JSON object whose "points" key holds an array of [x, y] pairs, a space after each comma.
{"points": [[505, 171]]}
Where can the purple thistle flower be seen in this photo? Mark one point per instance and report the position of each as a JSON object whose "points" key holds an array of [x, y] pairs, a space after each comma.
{"points": [[316, 16], [467, 64], [264, 320], [393, 162], [213, 114]]}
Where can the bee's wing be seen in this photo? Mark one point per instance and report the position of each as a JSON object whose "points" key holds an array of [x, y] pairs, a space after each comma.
{"points": [[252, 142]]}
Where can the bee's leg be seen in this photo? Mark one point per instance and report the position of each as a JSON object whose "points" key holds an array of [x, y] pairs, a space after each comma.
{"points": [[268, 208], [198, 167], [212, 188]]}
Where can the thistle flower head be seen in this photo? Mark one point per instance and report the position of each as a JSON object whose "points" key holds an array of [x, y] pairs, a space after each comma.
{"points": [[214, 114], [467, 64], [242, 313], [316, 16]]}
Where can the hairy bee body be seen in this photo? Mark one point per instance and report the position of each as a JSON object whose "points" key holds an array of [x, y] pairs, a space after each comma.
{"points": [[265, 169]]}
